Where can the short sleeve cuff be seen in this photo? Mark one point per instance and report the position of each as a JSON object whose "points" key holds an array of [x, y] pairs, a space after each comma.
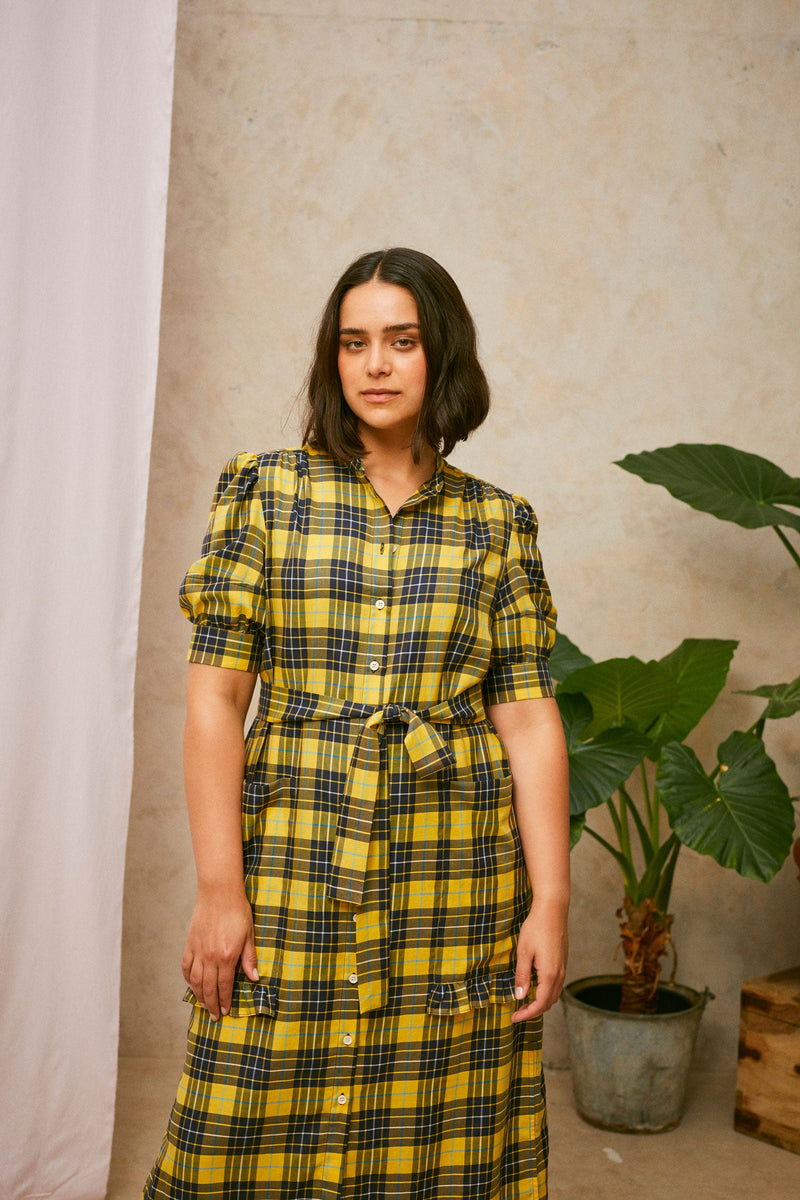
{"points": [[215, 646], [518, 681]]}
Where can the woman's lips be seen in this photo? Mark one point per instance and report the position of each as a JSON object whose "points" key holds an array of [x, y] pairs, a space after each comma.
{"points": [[376, 396]]}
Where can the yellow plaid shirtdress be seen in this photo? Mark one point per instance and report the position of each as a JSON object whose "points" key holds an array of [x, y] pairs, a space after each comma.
{"points": [[376, 1056]]}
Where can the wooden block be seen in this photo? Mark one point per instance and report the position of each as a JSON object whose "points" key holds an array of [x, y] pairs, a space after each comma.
{"points": [[768, 1075]]}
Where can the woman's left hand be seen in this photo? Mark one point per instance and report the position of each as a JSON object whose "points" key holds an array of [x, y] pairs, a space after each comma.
{"points": [[542, 948]]}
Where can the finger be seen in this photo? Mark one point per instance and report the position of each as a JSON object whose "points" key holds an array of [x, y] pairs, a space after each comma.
{"points": [[523, 1014], [548, 991], [195, 980], [543, 1001], [249, 958], [211, 991], [225, 976], [522, 977], [526, 1012]]}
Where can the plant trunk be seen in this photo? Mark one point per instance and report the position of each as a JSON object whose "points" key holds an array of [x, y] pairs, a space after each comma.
{"points": [[646, 937]]}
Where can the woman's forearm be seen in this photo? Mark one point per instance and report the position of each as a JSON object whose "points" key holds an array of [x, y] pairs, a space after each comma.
{"points": [[213, 752], [221, 933], [532, 733]]}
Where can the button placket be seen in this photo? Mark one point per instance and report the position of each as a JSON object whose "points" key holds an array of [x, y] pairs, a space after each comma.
{"points": [[376, 623], [343, 1058]]}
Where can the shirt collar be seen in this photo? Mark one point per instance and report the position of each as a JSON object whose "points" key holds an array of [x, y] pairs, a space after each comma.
{"points": [[436, 482]]}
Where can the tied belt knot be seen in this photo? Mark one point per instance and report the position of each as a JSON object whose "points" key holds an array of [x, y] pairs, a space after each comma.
{"points": [[428, 752], [429, 755]]}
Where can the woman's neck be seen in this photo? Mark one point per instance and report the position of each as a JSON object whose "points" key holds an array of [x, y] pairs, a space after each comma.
{"points": [[392, 455], [392, 471]]}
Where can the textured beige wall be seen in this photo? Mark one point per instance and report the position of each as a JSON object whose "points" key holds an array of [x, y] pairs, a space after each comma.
{"points": [[615, 188]]}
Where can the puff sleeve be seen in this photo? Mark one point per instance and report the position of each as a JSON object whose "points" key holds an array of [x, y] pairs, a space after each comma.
{"points": [[523, 619], [224, 593]]}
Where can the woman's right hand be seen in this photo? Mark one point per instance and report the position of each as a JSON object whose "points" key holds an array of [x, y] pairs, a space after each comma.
{"points": [[221, 935]]}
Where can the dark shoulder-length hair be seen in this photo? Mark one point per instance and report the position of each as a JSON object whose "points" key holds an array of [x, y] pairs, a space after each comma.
{"points": [[456, 397]]}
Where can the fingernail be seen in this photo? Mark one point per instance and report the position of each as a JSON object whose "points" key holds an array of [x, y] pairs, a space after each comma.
{"points": [[519, 992], [224, 1012]]}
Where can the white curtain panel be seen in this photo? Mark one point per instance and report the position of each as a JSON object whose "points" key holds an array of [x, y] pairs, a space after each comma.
{"points": [[85, 98]]}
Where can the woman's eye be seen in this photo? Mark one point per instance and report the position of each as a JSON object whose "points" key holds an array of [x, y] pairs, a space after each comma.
{"points": [[404, 343]]}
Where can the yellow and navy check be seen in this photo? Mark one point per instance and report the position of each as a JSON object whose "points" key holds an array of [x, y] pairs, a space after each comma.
{"points": [[376, 1055]]}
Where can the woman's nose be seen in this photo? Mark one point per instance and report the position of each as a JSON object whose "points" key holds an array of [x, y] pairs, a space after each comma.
{"points": [[377, 361]]}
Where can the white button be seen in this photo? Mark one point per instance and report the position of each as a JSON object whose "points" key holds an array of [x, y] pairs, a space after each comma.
{"points": [[374, 665], [394, 549], [380, 604], [353, 978], [355, 916], [348, 1041], [341, 1099]]}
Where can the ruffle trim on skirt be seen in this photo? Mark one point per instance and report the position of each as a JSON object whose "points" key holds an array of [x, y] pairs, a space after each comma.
{"points": [[249, 999], [478, 991]]}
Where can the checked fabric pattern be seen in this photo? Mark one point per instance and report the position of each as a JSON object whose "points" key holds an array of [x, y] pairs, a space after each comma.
{"points": [[376, 1055]]}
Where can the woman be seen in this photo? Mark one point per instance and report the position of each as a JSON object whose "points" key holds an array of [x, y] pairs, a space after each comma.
{"points": [[372, 900]]}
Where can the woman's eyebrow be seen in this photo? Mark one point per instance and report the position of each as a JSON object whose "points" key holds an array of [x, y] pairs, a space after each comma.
{"points": [[351, 331]]}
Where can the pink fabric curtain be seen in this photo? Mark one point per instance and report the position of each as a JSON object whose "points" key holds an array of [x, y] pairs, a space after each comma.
{"points": [[86, 91]]}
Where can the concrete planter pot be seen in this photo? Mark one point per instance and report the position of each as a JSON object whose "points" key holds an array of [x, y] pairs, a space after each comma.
{"points": [[630, 1072]]}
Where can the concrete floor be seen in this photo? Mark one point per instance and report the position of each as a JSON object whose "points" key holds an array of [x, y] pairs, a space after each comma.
{"points": [[703, 1159]]}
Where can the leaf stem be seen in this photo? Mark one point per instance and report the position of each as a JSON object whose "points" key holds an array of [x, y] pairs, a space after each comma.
{"points": [[787, 544], [623, 826], [646, 794], [624, 864], [656, 829], [665, 883], [641, 828]]}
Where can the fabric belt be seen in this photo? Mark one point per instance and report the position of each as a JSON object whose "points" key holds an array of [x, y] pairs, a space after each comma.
{"points": [[429, 755]]}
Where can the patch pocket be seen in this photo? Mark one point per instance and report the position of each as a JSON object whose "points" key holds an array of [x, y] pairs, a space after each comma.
{"points": [[257, 792], [249, 999], [483, 828], [266, 821], [487, 792], [476, 991]]}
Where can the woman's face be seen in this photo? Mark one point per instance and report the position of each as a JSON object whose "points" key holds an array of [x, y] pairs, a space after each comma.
{"points": [[381, 361]]}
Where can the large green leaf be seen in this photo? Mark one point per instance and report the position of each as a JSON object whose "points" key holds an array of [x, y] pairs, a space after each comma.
{"points": [[623, 691], [744, 818], [784, 699], [699, 667], [597, 767], [566, 657], [576, 716], [734, 485], [576, 828]]}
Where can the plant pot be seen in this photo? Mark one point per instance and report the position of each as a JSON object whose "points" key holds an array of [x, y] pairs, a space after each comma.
{"points": [[630, 1072]]}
